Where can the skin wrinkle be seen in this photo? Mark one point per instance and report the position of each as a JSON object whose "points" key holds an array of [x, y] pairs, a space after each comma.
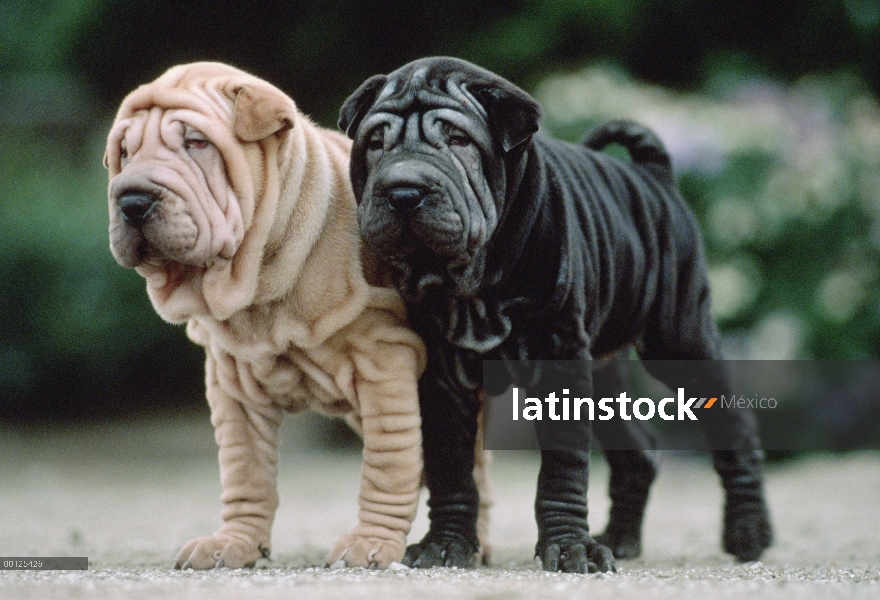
{"points": [[206, 162], [434, 120], [207, 220], [480, 229], [460, 92], [309, 229], [215, 191]]}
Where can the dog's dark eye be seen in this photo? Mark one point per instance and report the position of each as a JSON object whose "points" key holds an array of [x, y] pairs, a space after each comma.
{"points": [[376, 141], [459, 140], [196, 143]]}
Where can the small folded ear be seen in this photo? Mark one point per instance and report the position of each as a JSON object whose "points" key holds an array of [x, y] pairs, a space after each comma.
{"points": [[357, 105], [513, 114], [260, 112]]}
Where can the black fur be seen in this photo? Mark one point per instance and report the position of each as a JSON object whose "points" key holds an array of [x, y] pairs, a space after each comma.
{"points": [[515, 246]]}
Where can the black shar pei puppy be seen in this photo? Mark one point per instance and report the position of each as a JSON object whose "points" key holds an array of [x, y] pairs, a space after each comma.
{"points": [[509, 245]]}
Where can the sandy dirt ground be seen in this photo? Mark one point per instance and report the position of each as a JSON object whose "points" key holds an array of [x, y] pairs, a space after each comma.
{"points": [[129, 496]]}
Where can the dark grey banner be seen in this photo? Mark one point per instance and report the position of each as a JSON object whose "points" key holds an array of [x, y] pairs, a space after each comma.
{"points": [[797, 405], [44, 563]]}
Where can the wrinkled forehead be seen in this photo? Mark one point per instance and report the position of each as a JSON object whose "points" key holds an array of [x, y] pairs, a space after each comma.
{"points": [[198, 102], [424, 89], [431, 96], [161, 110]]}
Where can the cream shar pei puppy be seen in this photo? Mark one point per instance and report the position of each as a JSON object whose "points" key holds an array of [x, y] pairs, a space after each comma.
{"points": [[238, 212]]}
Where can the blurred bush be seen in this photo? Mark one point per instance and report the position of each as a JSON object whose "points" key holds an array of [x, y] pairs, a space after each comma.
{"points": [[783, 176], [786, 183], [78, 335]]}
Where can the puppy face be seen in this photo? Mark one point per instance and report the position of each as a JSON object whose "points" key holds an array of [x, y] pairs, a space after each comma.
{"points": [[429, 160], [171, 200], [187, 156]]}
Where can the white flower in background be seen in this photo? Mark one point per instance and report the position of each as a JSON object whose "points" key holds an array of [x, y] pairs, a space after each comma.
{"points": [[734, 288], [733, 221], [842, 293], [778, 336], [797, 130]]}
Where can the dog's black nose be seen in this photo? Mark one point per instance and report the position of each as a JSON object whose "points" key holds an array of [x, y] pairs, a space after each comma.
{"points": [[135, 207], [405, 199]]}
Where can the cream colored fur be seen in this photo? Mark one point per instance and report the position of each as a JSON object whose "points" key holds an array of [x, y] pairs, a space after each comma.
{"points": [[254, 244]]}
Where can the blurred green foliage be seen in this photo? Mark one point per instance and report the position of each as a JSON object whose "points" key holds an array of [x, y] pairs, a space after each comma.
{"points": [[774, 129], [78, 334], [37, 35]]}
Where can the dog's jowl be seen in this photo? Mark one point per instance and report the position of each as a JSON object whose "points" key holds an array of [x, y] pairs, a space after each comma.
{"points": [[508, 245], [238, 212]]}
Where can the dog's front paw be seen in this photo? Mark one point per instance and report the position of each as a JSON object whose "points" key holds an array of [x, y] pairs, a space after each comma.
{"points": [[441, 550], [747, 533], [218, 551], [364, 551], [576, 555]]}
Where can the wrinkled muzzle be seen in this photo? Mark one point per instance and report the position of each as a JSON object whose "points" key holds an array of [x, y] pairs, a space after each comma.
{"points": [[417, 202], [167, 207]]}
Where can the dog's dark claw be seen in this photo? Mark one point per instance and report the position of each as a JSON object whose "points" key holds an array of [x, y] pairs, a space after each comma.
{"points": [[423, 556], [577, 556], [575, 561], [440, 551], [550, 557], [457, 555]]}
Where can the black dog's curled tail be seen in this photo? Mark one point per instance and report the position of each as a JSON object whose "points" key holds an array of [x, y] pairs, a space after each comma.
{"points": [[643, 145]]}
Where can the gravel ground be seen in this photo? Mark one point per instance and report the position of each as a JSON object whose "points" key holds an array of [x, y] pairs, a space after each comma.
{"points": [[129, 496]]}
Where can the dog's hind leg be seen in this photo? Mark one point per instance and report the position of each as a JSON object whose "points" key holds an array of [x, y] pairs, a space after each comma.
{"points": [[683, 329]]}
